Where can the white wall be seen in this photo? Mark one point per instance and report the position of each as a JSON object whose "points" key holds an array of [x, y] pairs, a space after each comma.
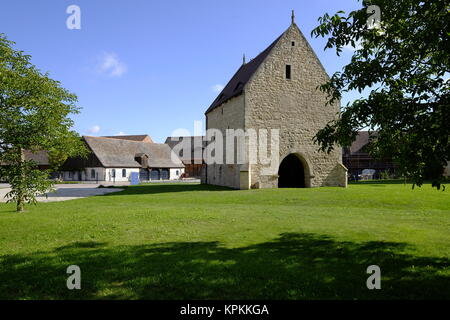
{"points": [[119, 177], [100, 174], [105, 174], [174, 175]]}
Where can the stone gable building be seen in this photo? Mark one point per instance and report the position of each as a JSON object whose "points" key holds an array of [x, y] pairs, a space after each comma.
{"points": [[278, 90]]}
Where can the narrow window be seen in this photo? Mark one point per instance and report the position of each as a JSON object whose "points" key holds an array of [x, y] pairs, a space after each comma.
{"points": [[124, 173], [92, 174], [293, 43], [288, 71], [113, 173]]}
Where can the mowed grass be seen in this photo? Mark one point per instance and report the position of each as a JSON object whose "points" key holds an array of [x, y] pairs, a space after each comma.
{"points": [[185, 241]]}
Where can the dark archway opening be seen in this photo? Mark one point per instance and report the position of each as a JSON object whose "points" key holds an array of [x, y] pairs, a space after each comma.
{"points": [[291, 173]]}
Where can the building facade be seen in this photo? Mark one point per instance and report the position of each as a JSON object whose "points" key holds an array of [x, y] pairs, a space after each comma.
{"points": [[116, 159], [278, 90], [357, 159], [190, 150]]}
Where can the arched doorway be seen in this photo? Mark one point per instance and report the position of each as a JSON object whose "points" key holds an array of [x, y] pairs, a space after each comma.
{"points": [[291, 173]]}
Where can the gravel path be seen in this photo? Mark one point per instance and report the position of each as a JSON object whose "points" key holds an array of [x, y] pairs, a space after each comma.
{"points": [[68, 192]]}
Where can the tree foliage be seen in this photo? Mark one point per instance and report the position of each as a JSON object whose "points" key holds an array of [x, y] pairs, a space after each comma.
{"points": [[34, 115], [404, 61]]}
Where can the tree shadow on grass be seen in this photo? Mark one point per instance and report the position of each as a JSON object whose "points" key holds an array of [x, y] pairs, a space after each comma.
{"points": [[293, 266], [167, 188]]}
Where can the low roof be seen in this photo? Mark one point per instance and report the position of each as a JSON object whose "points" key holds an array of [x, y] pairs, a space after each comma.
{"points": [[40, 157], [362, 139], [236, 85], [140, 137], [197, 144], [120, 153]]}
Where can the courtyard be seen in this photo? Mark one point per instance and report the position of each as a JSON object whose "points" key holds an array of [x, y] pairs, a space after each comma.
{"points": [[192, 241]]}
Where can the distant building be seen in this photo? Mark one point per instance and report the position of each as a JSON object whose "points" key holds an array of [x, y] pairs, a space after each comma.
{"points": [[356, 158], [39, 157], [139, 138], [447, 170], [114, 159], [190, 152]]}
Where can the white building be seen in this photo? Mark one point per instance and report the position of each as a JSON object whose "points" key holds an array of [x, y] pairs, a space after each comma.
{"points": [[115, 159]]}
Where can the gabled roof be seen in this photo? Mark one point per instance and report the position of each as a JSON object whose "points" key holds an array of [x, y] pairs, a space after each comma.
{"points": [[362, 140], [236, 85], [141, 137], [40, 157], [120, 153]]}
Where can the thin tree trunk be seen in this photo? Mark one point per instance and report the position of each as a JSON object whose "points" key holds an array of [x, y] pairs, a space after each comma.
{"points": [[20, 196], [20, 203]]}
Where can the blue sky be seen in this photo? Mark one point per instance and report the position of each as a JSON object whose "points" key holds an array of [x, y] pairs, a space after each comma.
{"points": [[143, 66]]}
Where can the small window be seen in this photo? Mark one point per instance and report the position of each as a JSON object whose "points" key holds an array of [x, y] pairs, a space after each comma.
{"points": [[124, 173], [113, 173], [293, 43], [288, 71], [70, 175], [92, 174], [177, 172]]}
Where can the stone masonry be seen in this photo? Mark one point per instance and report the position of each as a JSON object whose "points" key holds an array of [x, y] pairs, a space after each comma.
{"points": [[294, 106]]}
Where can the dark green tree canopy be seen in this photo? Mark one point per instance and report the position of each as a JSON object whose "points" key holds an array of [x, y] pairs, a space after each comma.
{"points": [[34, 115], [405, 61]]}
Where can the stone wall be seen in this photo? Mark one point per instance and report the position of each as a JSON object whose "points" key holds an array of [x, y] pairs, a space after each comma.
{"points": [[296, 107], [229, 115]]}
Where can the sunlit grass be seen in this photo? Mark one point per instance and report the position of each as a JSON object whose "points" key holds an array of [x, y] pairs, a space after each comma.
{"points": [[192, 241]]}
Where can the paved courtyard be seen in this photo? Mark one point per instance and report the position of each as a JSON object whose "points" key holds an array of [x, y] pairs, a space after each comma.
{"points": [[66, 192]]}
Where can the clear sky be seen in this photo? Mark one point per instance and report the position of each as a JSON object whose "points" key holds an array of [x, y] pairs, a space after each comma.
{"points": [[145, 66]]}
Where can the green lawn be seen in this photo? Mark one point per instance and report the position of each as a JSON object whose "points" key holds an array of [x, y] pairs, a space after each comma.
{"points": [[185, 241]]}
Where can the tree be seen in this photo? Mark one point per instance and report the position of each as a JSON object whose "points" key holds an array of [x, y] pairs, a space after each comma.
{"points": [[34, 116], [404, 61]]}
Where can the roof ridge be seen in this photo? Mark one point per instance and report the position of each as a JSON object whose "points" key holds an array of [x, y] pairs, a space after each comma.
{"points": [[236, 84], [112, 152], [111, 138]]}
